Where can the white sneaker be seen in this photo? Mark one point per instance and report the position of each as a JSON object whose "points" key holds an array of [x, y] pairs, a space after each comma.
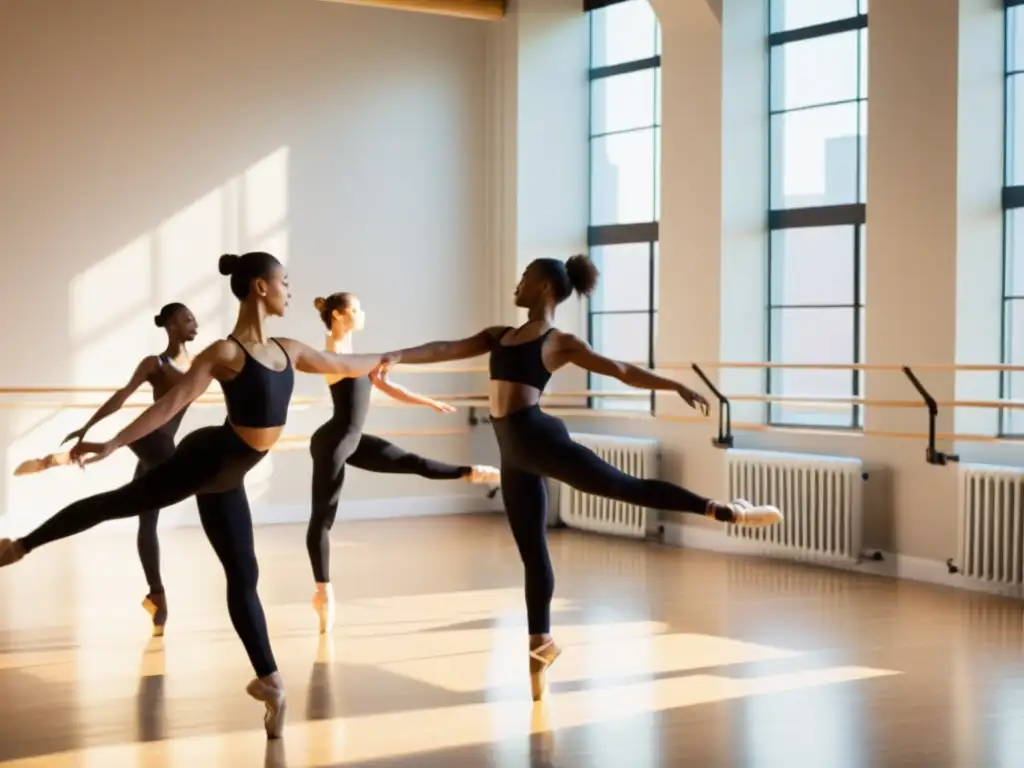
{"points": [[275, 702], [483, 474], [745, 513], [323, 604]]}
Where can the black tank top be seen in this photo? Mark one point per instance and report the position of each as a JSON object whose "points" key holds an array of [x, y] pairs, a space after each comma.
{"points": [[351, 398], [520, 363], [258, 396]]}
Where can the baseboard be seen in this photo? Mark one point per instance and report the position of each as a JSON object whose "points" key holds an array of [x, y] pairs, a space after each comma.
{"points": [[875, 562], [286, 513]]}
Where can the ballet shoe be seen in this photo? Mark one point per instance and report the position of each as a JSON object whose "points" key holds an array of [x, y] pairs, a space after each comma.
{"points": [[754, 515], [323, 604], [10, 551], [274, 700], [32, 466], [156, 607], [541, 659], [482, 474]]}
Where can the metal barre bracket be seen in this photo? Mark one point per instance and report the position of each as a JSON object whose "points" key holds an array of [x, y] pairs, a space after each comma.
{"points": [[724, 439], [474, 420], [932, 454]]}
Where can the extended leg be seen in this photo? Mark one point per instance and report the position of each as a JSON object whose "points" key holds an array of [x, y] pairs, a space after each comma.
{"points": [[526, 504], [576, 465], [377, 455], [168, 483], [227, 521]]}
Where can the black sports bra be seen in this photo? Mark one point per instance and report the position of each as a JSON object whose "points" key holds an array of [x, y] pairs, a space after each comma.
{"points": [[520, 363], [258, 396]]}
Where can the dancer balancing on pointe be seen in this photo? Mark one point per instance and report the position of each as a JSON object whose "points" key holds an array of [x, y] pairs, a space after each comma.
{"points": [[256, 374], [161, 372], [341, 441], [534, 445]]}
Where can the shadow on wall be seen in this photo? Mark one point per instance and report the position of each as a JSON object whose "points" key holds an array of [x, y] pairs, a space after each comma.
{"points": [[141, 141]]}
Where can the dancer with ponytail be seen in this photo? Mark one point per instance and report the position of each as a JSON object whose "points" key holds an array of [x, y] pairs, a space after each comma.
{"points": [[256, 374], [340, 441], [535, 445], [161, 372]]}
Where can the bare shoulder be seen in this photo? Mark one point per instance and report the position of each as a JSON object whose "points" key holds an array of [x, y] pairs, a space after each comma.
{"points": [[293, 347], [564, 341], [221, 352]]}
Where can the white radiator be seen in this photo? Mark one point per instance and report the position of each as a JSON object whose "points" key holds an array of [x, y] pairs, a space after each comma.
{"points": [[991, 512], [634, 456], [820, 498]]}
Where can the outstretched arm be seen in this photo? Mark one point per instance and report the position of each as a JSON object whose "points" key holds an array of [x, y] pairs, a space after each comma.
{"points": [[309, 360], [192, 385], [574, 350], [117, 400], [398, 392], [445, 351]]}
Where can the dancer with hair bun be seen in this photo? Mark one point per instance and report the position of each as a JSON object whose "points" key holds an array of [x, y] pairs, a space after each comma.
{"points": [[340, 441], [161, 372], [257, 375], [535, 445]]}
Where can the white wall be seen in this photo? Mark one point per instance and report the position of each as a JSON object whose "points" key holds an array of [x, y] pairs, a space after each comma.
{"points": [[139, 141]]}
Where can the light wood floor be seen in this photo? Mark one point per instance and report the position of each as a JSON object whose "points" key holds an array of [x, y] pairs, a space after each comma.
{"points": [[673, 658]]}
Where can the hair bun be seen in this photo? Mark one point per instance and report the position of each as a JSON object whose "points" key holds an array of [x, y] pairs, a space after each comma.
{"points": [[158, 320], [228, 263], [319, 303], [582, 273]]}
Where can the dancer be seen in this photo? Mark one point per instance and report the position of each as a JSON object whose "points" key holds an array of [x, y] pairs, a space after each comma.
{"points": [[341, 441], [161, 372], [535, 445], [256, 374]]}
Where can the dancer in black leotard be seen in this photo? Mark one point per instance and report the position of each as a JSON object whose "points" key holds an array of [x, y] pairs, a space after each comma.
{"points": [[256, 374], [535, 445], [341, 441], [161, 372]]}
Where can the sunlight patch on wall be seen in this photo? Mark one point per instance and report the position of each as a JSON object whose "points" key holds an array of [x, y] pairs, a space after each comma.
{"points": [[265, 198], [189, 244]]}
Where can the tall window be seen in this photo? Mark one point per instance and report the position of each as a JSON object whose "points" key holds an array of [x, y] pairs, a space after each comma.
{"points": [[1012, 384], [625, 157], [817, 101]]}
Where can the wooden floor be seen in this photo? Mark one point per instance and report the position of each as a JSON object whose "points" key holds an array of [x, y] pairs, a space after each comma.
{"points": [[673, 658]]}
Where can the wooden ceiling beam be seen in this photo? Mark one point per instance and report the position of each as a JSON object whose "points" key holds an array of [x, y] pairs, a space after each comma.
{"points": [[486, 10]]}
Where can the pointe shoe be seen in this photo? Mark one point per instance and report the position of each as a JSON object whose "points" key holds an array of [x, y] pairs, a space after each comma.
{"points": [[156, 607], [541, 659], [10, 551], [761, 515], [482, 474], [32, 466], [323, 604], [276, 703]]}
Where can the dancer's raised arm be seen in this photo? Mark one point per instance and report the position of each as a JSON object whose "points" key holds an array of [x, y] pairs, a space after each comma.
{"points": [[310, 360], [445, 351]]}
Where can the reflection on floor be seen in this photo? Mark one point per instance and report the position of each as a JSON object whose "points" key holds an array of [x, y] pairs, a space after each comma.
{"points": [[671, 658]]}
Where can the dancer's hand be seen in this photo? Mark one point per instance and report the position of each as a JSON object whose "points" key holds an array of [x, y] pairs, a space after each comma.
{"points": [[442, 407], [77, 436], [695, 400], [87, 453]]}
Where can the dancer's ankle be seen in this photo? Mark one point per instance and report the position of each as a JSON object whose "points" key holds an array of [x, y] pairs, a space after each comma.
{"points": [[720, 511], [273, 680]]}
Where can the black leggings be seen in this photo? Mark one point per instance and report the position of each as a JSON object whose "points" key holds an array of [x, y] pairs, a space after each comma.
{"points": [[211, 464], [332, 447], [153, 449], [534, 446]]}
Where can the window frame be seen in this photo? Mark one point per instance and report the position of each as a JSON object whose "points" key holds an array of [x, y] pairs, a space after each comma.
{"points": [[850, 214], [633, 233], [1012, 199]]}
